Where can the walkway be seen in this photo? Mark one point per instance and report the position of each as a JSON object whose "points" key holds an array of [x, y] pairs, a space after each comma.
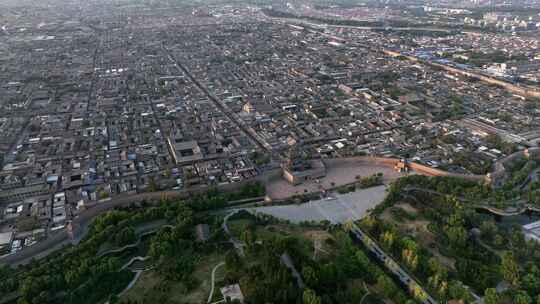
{"points": [[139, 238], [138, 273], [239, 245], [211, 295]]}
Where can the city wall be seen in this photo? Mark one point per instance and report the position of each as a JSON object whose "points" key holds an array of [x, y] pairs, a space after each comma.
{"points": [[423, 169]]}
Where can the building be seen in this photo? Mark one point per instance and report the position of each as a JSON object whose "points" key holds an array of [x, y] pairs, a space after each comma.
{"points": [[5, 242], [232, 292], [297, 169], [185, 152], [203, 232], [532, 231]]}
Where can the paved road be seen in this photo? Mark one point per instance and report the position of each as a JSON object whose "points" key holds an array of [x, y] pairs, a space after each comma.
{"points": [[223, 107], [337, 218], [385, 258], [391, 264], [138, 274], [81, 224]]}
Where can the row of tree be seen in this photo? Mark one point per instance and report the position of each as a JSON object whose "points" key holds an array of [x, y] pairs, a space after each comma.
{"points": [[485, 254]]}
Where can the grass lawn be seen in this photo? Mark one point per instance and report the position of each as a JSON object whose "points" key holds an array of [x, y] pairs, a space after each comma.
{"points": [[151, 288], [306, 236], [238, 226]]}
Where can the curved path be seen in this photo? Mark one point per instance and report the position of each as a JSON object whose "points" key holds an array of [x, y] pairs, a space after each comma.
{"points": [[82, 222], [138, 273], [135, 259], [239, 245], [132, 283], [211, 295], [367, 293], [117, 250], [493, 210]]}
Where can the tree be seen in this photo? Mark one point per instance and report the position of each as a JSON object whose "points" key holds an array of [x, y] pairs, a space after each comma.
{"points": [[531, 283], [184, 215], [152, 185], [521, 297], [510, 268], [488, 229], [233, 263], [438, 278], [491, 296], [310, 276], [498, 240], [125, 236], [457, 291], [113, 299], [387, 286], [409, 253], [388, 238], [310, 297], [248, 238]]}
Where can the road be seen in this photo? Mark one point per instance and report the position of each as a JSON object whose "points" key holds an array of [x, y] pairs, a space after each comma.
{"points": [[80, 224], [370, 244], [390, 264], [532, 178], [131, 283], [155, 229], [223, 107], [530, 91]]}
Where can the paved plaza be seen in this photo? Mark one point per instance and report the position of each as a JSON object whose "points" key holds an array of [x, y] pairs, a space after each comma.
{"points": [[339, 209]]}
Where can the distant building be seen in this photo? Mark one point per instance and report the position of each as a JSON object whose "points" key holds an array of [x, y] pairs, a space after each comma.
{"points": [[297, 169]]}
